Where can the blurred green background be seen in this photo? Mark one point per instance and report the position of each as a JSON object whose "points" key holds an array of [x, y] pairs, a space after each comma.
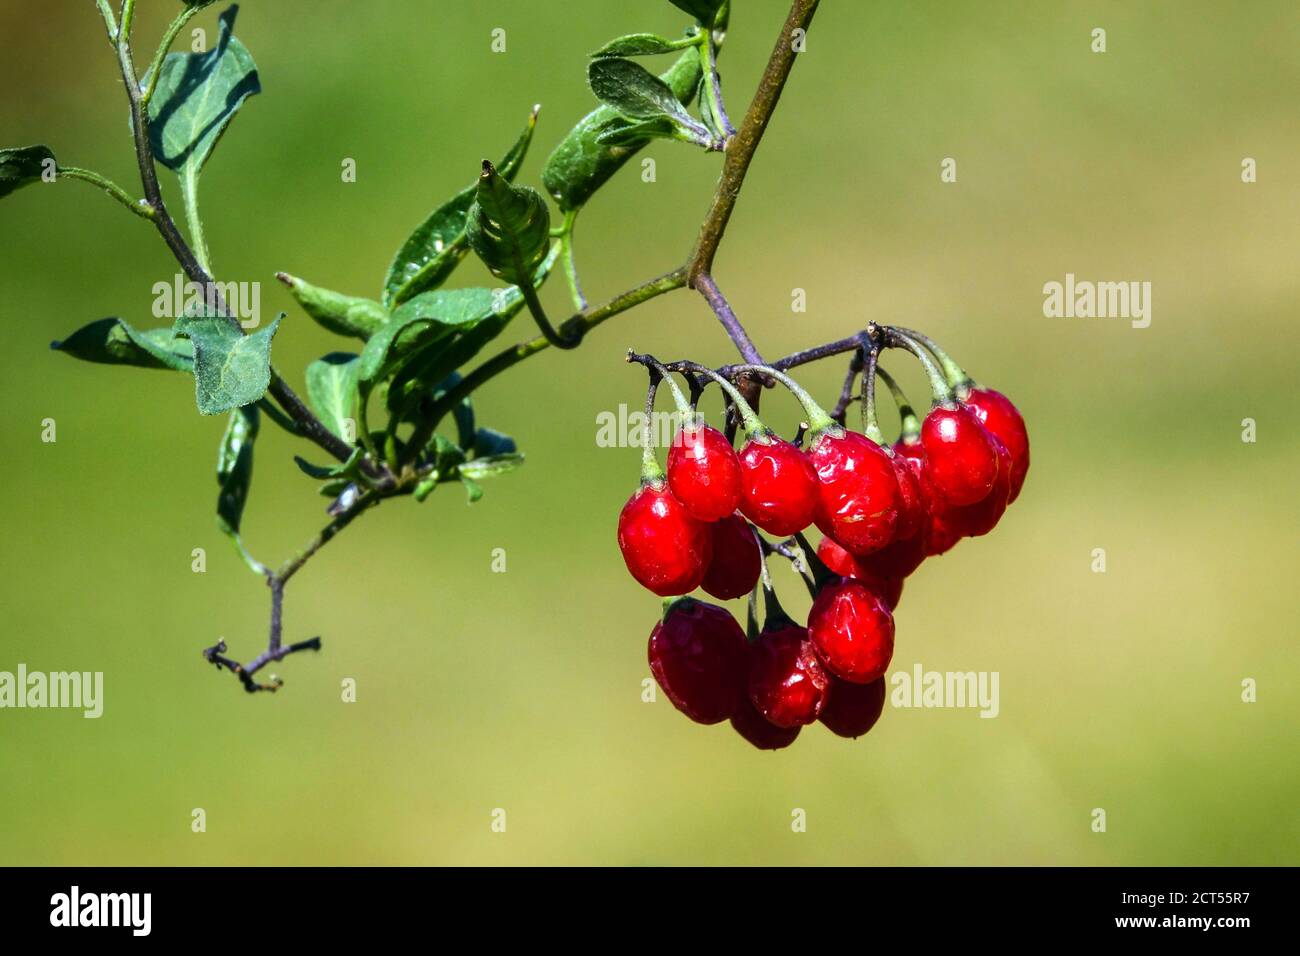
{"points": [[522, 690]]}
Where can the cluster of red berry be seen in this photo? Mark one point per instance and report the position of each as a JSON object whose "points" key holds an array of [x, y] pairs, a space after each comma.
{"points": [[882, 510]]}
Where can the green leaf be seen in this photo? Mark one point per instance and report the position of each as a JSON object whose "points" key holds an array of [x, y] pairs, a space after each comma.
{"points": [[332, 391], [349, 470], [580, 164], [341, 314], [638, 133], [489, 442], [509, 227], [197, 96], [235, 467], [20, 165], [116, 342], [438, 244], [490, 466], [419, 322], [642, 44], [230, 369], [706, 11], [633, 90]]}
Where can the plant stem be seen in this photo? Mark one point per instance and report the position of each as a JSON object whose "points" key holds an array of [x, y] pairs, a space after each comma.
{"points": [[713, 295], [870, 422], [566, 260], [137, 206], [713, 85], [155, 68], [190, 198]]}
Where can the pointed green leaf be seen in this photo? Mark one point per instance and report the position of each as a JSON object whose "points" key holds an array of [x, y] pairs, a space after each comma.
{"points": [[20, 165], [637, 133], [341, 314], [197, 96], [332, 390], [642, 44], [437, 246], [349, 470], [230, 369], [509, 227], [634, 91], [116, 342], [419, 322], [580, 165], [491, 466], [235, 467]]}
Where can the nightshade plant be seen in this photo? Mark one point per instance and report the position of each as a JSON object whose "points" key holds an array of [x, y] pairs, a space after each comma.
{"points": [[393, 416]]}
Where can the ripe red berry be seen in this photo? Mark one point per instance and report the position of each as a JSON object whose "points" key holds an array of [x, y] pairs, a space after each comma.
{"points": [[698, 656], [737, 562], [665, 549], [857, 493], [853, 709], [852, 630], [787, 683], [961, 462], [847, 566], [895, 560], [756, 728], [996, 412], [703, 472], [971, 521], [778, 486], [911, 499]]}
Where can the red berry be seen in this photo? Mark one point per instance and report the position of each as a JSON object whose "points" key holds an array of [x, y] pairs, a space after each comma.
{"points": [[737, 562], [895, 560], [755, 728], [787, 683], [971, 521], [852, 630], [847, 566], [698, 655], [857, 493], [703, 472], [778, 486], [853, 709], [911, 499], [665, 549], [961, 462], [996, 412]]}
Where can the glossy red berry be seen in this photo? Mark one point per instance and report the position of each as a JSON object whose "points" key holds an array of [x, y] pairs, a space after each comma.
{"points": [[857, 493], [911, 499], [756, 728], [737, 562], [852, 630], [895, 560], [778, 486], [971, 521], [698, 655], [997, 413], [847, 566], [961, 462], [787, 683], [853, 709], [665, 549], [703, 472]]}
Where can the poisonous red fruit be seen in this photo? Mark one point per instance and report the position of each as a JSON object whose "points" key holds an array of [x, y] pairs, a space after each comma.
{"points": [[755, 728], [853, 709], [961, 462], [698, 656], [703, 472], [787, 683], [971, 521], [778, 486], [895, 560], [665, 549], [852, 630], [996, 412], [737, 563], [857, 493], [847, 566], [911, 499]]}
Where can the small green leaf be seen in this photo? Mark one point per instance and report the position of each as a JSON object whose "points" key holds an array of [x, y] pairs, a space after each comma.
{"points": [[706, 11], [491, 466], [472, 490], [235, 467], [419, 322], [20, 165], [509, 227], [438, 244], [197, 96], [230, 369], [642, 44], [638, 133], [350, 469], [116, 342], [332, 391], [580, 165], [341, 314], [633, 90]]}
